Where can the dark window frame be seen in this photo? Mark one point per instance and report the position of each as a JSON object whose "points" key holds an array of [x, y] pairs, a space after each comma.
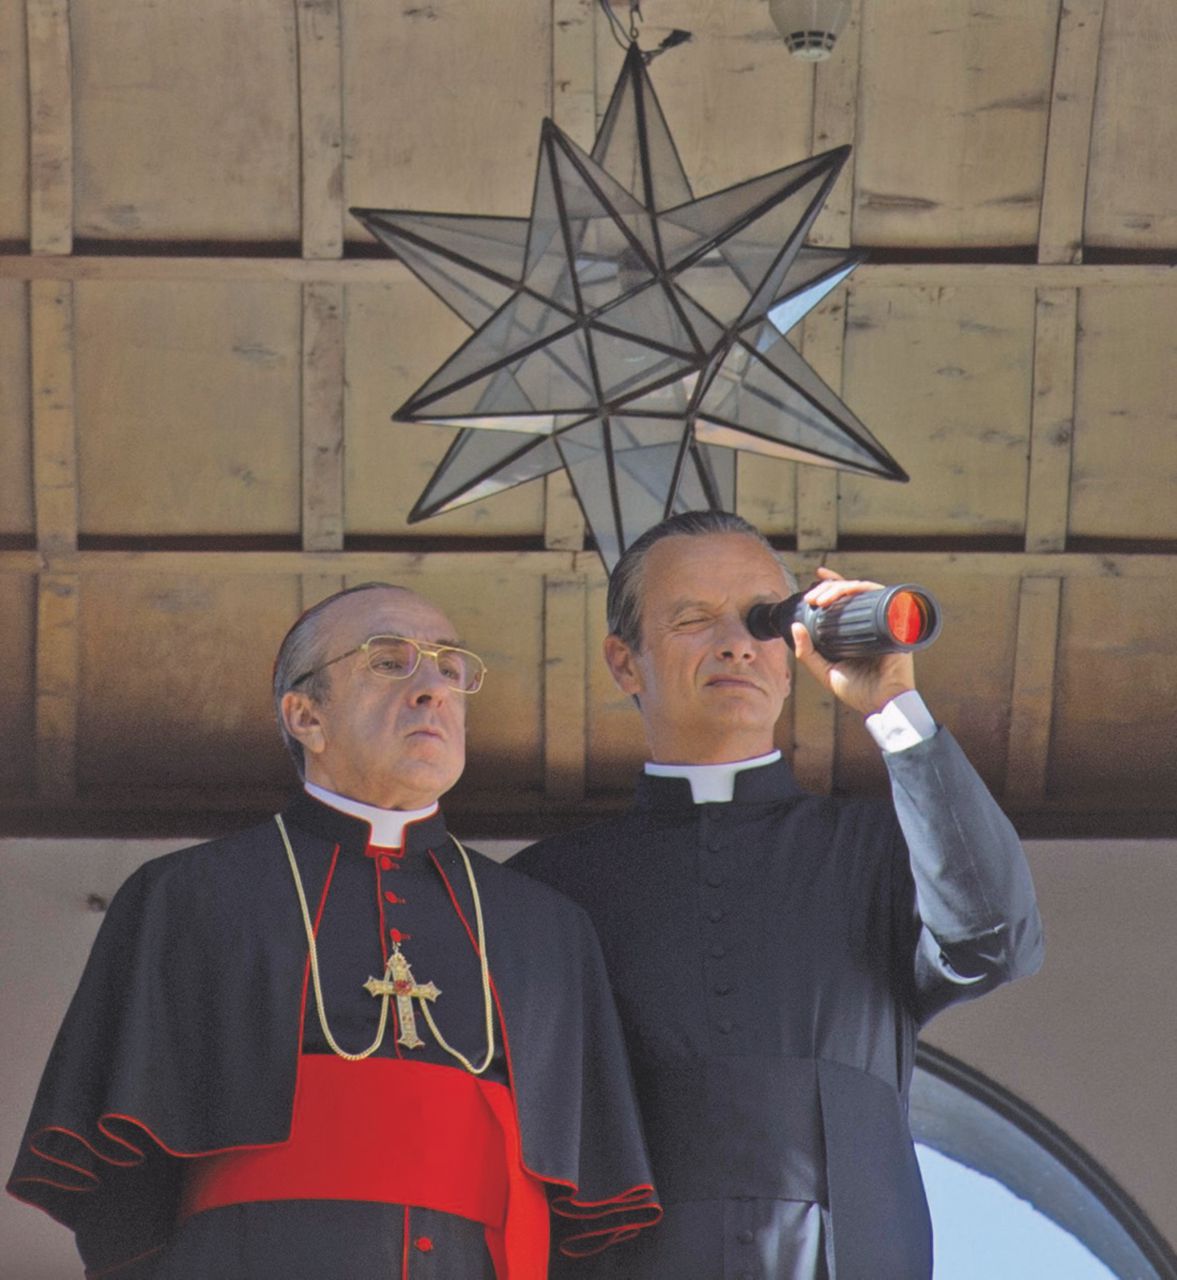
{"points": [[952, 1109]]}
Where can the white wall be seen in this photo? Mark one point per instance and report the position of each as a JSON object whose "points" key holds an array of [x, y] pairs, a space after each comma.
{"points": [[1091, 1041]]}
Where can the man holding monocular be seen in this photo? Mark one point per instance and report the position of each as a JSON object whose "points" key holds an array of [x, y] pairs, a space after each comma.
{"points": [[774, 954]]}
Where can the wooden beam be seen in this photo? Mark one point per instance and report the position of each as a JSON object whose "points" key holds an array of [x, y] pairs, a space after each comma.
{"points": [[1052, 420], [835, 123], [51, 149], [814, 710], [835, 117], [565, 692], [1032, 697], [574, 109], [563, 518], [320, 79], [55, 458], [165, 265], [57, 680], [322, 417], [574, 80], [823, 343], [1068, 133], [421, 561], [171, 266]]}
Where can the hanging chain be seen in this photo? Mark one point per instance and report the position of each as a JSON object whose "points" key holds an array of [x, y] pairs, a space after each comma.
{"points": [[321, 1008]]}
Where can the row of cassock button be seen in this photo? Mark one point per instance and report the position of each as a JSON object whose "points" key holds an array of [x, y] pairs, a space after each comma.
{"points": [[721, 985], [719, 981]]}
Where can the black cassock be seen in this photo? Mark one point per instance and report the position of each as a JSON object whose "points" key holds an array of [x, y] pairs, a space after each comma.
{"points": [[773, 959], [189, 1037]]}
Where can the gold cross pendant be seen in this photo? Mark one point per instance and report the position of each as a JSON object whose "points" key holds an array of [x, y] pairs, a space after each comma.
{"points": [[399, 982]]}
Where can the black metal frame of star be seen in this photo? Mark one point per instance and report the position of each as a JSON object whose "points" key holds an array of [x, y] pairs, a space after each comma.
{"points": [[628, 332]]}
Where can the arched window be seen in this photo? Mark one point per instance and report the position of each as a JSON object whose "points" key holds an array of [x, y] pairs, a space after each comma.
{"points": [[1013, 1196]]}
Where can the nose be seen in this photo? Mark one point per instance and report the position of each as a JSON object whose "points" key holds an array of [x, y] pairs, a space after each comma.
{"points": [[734, 641], [427, 683]]}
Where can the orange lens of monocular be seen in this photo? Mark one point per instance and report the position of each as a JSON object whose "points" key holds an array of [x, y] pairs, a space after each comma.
{"points": [[907, 617]]}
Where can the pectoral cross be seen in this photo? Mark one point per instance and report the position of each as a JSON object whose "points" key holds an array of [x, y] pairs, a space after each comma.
{"points": [[398, 981]]}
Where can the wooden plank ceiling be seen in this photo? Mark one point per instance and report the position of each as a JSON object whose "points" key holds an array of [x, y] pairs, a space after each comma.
{"points": [[199, 352]]}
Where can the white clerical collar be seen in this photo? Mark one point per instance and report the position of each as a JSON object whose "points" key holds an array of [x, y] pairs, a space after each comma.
{"points": [[388, 825], [710, 783]]}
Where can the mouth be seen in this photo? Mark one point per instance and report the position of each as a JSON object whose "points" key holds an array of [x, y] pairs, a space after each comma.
{"points": [[734, 682], [426, 731]]}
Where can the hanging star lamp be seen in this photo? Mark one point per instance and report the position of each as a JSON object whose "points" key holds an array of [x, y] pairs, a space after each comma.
{"points": [[627, 332]]}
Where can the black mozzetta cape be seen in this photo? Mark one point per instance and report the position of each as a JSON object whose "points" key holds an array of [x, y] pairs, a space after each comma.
{"points": [[773, 959], [184, 1036]]}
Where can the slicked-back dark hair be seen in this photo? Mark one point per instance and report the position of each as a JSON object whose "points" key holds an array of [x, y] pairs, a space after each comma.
{"points": [[302, 650], [623, 607]]}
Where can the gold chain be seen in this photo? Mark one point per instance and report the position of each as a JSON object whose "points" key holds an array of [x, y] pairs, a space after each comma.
{"points": [[381, 1026]]}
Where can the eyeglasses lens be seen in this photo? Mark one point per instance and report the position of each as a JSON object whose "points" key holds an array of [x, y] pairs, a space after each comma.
{"points": [[397, 659]]}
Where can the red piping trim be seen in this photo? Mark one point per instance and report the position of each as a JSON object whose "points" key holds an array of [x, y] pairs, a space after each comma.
{"points": [[118, 1266], [380, 907], [635, 1197], [77, 1137], [102, 1124], [326, 890], [393, 1007], [405, 1248]]}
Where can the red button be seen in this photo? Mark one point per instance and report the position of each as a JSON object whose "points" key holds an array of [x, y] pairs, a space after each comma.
{"points": [[391, 897], [424, 1244], [397, 936], [385, 863]]}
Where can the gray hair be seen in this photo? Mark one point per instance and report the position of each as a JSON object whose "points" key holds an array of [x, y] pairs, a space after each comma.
{"points": [[623, 608], [302, 649]]}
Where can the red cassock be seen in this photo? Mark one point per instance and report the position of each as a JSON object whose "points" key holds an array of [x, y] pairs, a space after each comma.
{"points": [[193, 1120]]}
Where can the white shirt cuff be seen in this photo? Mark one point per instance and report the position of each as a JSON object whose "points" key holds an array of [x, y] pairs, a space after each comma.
{"points": [[902, 723]]}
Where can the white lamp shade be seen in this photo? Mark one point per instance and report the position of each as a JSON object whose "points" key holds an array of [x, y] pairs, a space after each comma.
{"points": [[809, 28]]}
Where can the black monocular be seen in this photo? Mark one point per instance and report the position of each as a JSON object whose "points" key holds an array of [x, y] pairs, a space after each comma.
{"points": [[887, 620]]}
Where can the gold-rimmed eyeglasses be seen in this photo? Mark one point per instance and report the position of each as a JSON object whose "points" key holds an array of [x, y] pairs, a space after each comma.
{"points": [[397, 657]]}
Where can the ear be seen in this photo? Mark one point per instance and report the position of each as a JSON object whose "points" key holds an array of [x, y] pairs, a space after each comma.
{"points": [[622, 664], [300, 715]]}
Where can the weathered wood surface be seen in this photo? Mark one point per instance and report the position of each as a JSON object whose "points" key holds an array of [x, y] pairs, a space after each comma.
{"points": [[1068, 151], [322, 417], [194, 429], [1052, 420], [320, 111], [57, 668], [186, 121], [1124, 474], [215, 375], [943, 377], [50, 122], [16, 437], [53, 418], [950, 146], [1131, 195]]}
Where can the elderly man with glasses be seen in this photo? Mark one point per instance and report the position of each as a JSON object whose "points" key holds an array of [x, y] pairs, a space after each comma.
{"points": [[340, 1045]]}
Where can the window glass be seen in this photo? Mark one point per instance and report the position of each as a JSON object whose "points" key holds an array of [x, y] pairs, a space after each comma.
{"points": [[1013, 1196]]}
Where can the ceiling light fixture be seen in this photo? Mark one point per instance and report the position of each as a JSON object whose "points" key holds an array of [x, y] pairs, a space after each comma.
{"points": [[809, 28]]}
